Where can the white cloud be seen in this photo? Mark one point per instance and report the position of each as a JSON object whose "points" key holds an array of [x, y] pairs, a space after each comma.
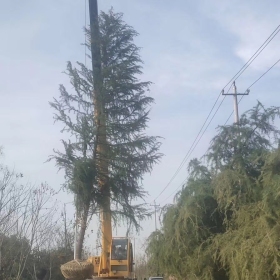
{"points": [[251, 22]]}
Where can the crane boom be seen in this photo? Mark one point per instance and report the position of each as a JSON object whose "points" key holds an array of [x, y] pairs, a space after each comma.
{"points": [[101, 151]]}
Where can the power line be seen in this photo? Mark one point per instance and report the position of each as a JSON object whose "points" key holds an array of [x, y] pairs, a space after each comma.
{"points": [[209, 123], [264, 73], [254, 56], [252, 85], [235, 77], [257, 53], [186, 156], [192, 149], [182, 184], [193, 146]]}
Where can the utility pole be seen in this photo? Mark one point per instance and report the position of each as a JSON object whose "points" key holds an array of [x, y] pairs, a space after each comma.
{"points": [[156, 208], [65, 229], [157, 246], [134, 258], [76, 228], [75, 236], [235, 104]]}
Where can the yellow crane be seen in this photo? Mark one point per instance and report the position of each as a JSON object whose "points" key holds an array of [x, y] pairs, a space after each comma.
{"points": [[116, 259]]}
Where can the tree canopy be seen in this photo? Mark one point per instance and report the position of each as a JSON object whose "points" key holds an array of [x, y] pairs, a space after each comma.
{"points": [[225, 222], [130, 153]]}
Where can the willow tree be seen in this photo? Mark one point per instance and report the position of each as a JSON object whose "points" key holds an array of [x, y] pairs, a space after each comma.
{"points": [[225, 222], [130, 153]]}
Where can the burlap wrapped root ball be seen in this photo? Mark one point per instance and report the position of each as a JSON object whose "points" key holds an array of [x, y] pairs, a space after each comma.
{"points": [[77, 270]]}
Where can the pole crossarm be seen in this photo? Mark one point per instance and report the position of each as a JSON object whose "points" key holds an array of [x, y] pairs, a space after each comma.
{"points": [[235, 100], [246, 93]]}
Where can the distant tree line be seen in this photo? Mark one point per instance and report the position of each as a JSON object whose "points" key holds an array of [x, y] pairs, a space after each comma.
{"points": [[33, 239]]}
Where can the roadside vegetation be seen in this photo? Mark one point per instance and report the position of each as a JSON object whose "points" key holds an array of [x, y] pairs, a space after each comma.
{"points": [[225, 222]]}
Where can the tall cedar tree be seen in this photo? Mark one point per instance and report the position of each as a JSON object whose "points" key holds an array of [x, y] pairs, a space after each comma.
{"points": [[131, 153], [225, 222]]}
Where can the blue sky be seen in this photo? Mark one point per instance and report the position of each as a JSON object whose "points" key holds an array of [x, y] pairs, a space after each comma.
{"points": [[191, 49]]}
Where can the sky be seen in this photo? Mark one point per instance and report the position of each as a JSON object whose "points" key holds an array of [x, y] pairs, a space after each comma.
{"points": [[190, 49]]}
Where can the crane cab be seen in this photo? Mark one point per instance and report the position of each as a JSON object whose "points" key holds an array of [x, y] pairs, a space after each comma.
{"points": [[121, 258]]}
